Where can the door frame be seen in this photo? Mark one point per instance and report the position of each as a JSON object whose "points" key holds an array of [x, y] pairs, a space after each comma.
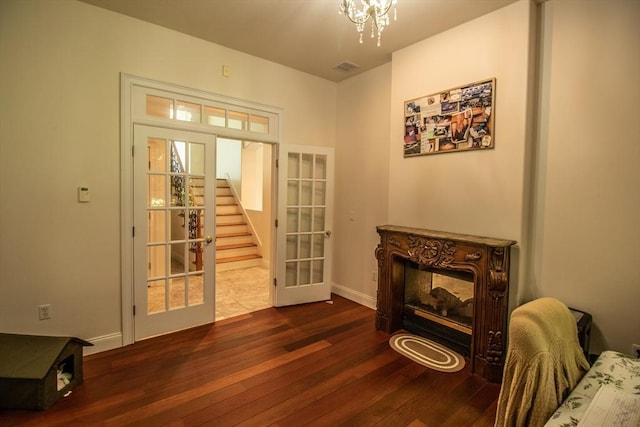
{"points": [[130, 116]]}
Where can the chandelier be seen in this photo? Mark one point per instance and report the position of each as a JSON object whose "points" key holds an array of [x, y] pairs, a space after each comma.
{"points": [[376, 10]]}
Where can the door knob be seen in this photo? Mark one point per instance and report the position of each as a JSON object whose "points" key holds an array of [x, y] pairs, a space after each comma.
{"points": [[328, 233], [208, 240]]}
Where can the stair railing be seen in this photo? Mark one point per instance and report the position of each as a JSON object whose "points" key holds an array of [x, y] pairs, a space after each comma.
{"points": [[195, 228]]}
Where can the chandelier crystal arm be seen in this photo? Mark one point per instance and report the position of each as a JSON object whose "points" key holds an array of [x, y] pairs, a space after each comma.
{"points": [[376, 10]]}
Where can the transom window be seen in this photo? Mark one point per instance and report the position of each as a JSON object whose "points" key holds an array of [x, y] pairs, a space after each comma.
{"points": [[223, 114]]}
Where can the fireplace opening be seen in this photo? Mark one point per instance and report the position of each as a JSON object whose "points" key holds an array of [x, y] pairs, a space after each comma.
{"points": [[438, 304]]}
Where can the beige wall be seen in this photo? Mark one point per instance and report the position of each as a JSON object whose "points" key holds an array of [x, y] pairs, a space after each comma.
{"points": [[587, 235], [60, 67], [362, 181], [262, 220], [478, 192]]}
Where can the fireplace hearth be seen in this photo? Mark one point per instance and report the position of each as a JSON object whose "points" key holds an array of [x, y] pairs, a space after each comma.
{"points": [[449, 287]]}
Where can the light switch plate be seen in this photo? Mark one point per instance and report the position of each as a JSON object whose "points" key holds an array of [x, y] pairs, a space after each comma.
{"points": [[83, 194]]}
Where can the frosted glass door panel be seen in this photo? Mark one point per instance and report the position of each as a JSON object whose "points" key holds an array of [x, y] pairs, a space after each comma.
{"points": [[306, 192]]}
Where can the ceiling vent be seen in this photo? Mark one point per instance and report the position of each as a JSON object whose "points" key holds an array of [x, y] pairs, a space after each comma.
{"points": [[346, 66]]}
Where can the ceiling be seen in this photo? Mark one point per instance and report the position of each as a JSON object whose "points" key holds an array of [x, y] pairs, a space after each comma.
{"points": [[308, 35]]}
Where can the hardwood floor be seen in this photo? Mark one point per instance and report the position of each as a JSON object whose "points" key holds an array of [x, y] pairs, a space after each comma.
{"points": [[317, 364]]}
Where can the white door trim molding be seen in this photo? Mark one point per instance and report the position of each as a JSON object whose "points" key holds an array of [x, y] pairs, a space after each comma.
{"points": [[129, 116]]}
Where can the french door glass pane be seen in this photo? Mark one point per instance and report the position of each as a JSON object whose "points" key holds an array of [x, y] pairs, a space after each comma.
{"points": [[196, 159], [156, 261], [304, 275], [177, 293], [306, 198], [293, 190], [305, 220], [306, 167], [319, 193], [291, 275], [156, 191], [292, 247], [156, 226], [292, 220], [177, 228], [318, 271], [157, 155], [196, 218], [321, 167], [177, 191], [156, 296], [196, 192], [175, 232], [305, 193], [318, 219], [293, 168], [177, 258], [318, 245], [196, 289], [305, 246], [178, 155]]}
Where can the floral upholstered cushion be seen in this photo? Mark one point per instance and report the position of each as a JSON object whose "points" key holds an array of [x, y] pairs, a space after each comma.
{"points": [[614, 369]]}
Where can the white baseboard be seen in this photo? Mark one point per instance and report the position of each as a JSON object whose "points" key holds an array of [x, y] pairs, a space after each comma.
{"points": [[103, 343], [355, 296]]}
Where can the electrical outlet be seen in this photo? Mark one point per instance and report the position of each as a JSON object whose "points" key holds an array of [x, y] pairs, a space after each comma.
{"points": [[374, 276], [44, 311], [635, 350]]}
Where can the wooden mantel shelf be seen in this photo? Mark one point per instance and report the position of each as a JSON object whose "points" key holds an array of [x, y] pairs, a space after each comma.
{"points": [[485, 257], [443, 235]]}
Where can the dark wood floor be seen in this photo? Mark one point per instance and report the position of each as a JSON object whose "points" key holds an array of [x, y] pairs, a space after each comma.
{"points": [[315, 364]]}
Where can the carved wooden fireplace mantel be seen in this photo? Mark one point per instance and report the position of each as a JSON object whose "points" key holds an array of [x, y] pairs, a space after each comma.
{"points": [[487, 259]]}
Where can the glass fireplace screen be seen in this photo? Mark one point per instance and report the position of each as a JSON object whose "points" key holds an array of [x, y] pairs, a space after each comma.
{"points": [[447, 295]]}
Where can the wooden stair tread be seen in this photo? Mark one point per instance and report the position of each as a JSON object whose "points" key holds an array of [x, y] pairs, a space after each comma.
{"points": [[229, 214], [231, 223], [223, 235], [237, 258], [236, 246]]}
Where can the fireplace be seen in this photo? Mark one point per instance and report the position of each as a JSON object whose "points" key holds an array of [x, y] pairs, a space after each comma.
{"points": [[449, 287], [438, 304]]}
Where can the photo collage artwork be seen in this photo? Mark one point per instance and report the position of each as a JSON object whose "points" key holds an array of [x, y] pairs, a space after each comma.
{"points": [[458, 119]]}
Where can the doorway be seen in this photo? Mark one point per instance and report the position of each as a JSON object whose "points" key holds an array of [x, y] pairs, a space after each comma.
{"points": [[244, 222], [298, 251]]}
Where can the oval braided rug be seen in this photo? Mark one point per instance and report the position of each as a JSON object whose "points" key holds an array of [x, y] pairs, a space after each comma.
{"points": [[427, 353]]}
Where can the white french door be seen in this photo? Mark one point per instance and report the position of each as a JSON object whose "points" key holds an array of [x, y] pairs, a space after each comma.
{"points": [[174, 224], [305, 194]]}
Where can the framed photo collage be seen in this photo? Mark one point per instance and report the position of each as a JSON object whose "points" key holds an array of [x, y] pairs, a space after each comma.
{"points": [[458, 119]]}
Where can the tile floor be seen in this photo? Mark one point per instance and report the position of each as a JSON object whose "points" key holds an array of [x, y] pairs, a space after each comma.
{"points": [[241, 291], [237, 292]]}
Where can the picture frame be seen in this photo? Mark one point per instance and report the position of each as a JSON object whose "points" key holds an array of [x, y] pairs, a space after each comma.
{"points": [[456, 119]]}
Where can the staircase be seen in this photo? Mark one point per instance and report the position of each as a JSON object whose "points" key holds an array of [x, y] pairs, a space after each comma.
{"points": [[235, 245]]}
